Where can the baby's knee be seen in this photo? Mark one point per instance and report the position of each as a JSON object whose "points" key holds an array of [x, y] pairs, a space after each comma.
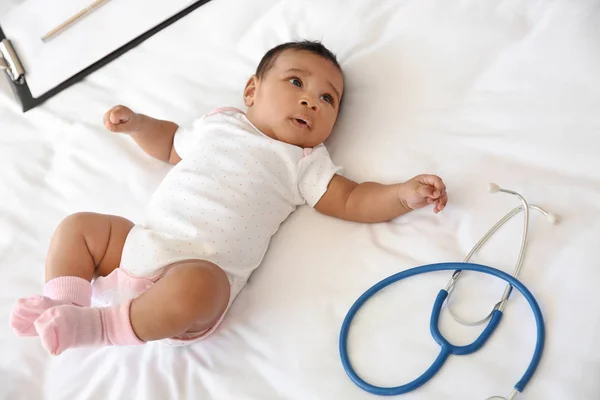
{"points": [[203, 287], [198, 277], [78, 221]]}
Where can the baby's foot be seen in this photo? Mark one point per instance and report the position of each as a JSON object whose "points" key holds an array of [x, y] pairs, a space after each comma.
{"points": [[27, 310], [61, 327], [68, 326]]}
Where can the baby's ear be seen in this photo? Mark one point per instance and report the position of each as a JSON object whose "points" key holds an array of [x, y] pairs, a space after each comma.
{"points": [[250, 91]]}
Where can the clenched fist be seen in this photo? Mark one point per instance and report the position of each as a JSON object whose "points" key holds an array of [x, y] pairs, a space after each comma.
{"points": [[121, 119], [422, 190]]}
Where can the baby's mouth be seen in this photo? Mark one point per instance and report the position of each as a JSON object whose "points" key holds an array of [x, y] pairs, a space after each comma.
{"points": [[301, 122]]}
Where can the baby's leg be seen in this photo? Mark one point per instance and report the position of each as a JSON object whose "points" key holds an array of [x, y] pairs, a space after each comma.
{"points": [[192, 292], [84, 244]]}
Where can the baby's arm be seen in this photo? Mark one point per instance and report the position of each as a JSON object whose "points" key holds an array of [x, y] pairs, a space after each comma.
{"points": [[154, 136], [374, 202]]}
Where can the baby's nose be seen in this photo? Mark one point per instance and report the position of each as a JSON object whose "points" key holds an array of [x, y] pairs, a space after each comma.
{"points": [[310, 104]]}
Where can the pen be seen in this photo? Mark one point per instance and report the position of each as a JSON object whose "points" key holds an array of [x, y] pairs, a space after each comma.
{"points": [[88, 10]]}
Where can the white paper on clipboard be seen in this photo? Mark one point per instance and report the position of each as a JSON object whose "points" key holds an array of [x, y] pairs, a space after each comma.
{"points": [[114, 24]]}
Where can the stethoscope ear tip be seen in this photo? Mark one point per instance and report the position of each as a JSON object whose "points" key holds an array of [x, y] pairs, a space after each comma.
{"points": [[552, 218], [493, 187]]}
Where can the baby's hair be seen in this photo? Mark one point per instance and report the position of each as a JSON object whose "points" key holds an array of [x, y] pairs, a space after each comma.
{"points": [[314, 47]]}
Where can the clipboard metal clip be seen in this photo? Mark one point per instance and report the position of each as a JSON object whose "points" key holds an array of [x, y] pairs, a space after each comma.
{"points": [[9, 61]]}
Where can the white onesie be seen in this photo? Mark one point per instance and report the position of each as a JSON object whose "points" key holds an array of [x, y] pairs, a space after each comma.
{"points": [[226, 198]]}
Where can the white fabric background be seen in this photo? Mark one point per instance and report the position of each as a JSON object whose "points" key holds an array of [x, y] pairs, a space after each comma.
{"points": [[505, 91]]}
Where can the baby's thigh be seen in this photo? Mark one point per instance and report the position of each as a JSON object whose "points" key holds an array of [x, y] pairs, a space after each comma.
{"points": [[119, 228], [89, 241]]}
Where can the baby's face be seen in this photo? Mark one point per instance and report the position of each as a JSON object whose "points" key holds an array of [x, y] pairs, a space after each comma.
{"points": [[297, 100]]}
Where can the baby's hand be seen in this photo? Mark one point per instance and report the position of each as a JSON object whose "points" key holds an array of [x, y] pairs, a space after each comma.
{"points": [[121, 119], [422, 190]]}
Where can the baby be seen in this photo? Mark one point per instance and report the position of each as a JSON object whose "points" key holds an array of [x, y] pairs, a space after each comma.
{"points": [[236, 177]]}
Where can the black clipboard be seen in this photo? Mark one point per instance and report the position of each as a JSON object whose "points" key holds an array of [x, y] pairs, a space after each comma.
{"points": [[27, 101]]}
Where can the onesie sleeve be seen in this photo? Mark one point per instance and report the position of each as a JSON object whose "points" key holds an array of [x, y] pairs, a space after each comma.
{"points": [[316, 171], [186, 137]]}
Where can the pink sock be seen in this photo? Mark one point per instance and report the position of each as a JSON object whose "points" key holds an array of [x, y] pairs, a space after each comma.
{"points": [[69, 326], [72, 289], [57, 291]]}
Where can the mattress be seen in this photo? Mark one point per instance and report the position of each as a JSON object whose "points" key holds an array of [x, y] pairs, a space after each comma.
{"points": [[503, 91]]}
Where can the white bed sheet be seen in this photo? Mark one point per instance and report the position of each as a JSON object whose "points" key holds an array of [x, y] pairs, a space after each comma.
{"points": [[505, 91]]}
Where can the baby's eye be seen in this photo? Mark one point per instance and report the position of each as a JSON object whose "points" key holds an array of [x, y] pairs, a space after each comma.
{"points": [[296, 82], [327, 98]]}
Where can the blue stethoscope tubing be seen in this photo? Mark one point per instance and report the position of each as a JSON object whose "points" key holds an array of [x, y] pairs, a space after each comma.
{"points": [[446, 347]]}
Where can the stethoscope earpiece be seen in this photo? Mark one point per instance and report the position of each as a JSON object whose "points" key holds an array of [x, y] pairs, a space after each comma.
{"points": [[493, 188], [524, 207], [552, 218]]}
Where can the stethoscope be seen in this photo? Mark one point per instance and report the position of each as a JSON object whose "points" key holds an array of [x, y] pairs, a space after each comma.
{"points": [[494, 317]]}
